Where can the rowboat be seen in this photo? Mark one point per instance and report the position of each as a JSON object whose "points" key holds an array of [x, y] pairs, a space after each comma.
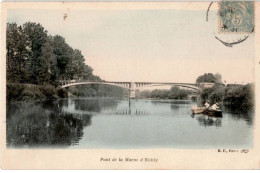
{"points": [[212, 112], [198, 110]]}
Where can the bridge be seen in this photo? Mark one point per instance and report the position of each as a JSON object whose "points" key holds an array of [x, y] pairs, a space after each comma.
{"points": [[131, 86]]}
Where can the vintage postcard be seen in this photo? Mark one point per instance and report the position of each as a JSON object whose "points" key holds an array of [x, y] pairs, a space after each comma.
{"points": [[130, 85]]}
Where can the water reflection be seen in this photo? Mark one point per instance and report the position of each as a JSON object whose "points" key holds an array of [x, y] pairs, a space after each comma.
{"points": [[108, 122], [204, 120], [235, 114], [30, 125], [130, 112], [175, 107], [241, 114], [176, 102]]}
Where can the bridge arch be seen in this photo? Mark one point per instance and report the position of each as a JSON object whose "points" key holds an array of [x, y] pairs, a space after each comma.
{"points": [[179, 85], [89, 83]]}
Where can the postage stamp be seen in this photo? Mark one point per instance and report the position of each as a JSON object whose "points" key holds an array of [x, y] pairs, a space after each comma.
{"points": [[236, 17]]}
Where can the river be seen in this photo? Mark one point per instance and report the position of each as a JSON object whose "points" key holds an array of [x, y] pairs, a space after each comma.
{"points": [[124, 124]]}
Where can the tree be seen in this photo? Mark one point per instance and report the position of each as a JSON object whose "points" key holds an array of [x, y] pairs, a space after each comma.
{"points": [[77, 65], [205, 94], [218, 78], [48, 70], [217, 95], [248, 95], [240, 96], [177, 93], [207, 77], [60, 50], [36, 58], [145, 94], [37, 36], [18, 52], [155, 93]]}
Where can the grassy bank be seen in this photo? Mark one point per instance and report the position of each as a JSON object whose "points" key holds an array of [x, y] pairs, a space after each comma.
{"points": [[28, 92]]}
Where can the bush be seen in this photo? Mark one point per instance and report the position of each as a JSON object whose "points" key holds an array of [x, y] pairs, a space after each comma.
{"points": [[205, 94], [18, 92], [28, 94], [145, 94], [217, 95], [231, 95], [240, 95], [89, 92], [178, 93], [62, 93], [49, 91], [14, 91]]}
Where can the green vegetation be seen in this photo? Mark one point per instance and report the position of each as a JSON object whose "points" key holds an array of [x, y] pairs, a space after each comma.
{"points": [[232, 95], [27, 92], [209, 78], [236, 96], [240, 95], [173, 93], [95, 90], [34, 57], [37, 59]]}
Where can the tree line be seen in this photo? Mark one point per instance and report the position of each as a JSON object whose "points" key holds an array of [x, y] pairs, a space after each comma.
{"points": [[35, 57], [173, 93], [231, 95]]}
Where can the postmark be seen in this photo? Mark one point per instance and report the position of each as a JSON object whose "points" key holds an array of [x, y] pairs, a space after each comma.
{"points": [[236, 17]]}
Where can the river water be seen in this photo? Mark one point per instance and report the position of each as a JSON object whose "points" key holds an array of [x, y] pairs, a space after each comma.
{"points": [[123, 124]]}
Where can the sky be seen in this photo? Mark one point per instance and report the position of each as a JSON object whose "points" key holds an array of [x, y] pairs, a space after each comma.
{"points": [[151, 45]]}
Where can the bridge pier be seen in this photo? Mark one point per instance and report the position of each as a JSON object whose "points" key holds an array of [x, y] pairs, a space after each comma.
{"points": [[132, 90], [132, 94]]}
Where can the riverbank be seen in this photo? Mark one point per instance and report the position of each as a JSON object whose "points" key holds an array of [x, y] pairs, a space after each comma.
{"points": [[31, 92], [232, 96]]}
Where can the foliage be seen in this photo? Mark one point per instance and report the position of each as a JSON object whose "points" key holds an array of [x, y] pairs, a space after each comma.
{"points": [[209, 78], [177, 93], [143, 94], [173, 93], [213, 95], [28, 92], [231, 95], [49, 91], [14, 91], [111, 91], [98, 91], [32, 94], [218, 78], [88, 92], [240, 95], [160, 94], [62, 93], [34, 57]]}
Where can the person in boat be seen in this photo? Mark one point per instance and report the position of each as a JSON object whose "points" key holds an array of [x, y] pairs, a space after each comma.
{"points": [[207, 105], [214, 106]]}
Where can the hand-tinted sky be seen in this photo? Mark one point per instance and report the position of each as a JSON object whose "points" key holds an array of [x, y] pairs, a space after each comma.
{"points": [[147, 45]]}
